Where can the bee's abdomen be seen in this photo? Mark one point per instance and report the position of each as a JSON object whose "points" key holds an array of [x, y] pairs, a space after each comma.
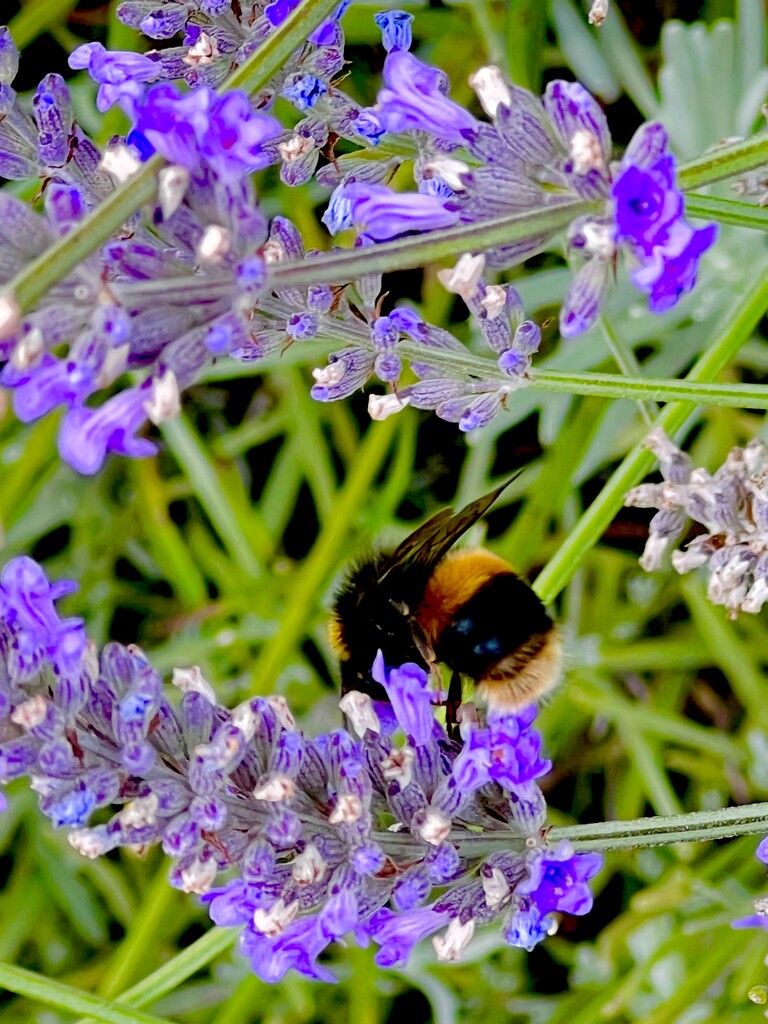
{"points": [[502, 617]]}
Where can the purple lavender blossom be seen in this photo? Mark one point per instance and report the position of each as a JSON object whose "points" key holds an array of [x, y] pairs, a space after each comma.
{"points": [[36, 633], [395, 29], [414, 99], [291, 822], [203, 241], [647, 204], [380, 213], [671, 270], [199, 127], [88, 435], [279, 10], [304, 91], [498, 314], [536, 153], [648, 223], [113, 68]]}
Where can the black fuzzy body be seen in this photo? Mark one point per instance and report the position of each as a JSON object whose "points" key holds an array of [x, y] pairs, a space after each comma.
{"points": [[503, 619], [373, 614]]}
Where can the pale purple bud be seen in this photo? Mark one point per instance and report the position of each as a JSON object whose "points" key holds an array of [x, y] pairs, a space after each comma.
{"points": [[283, 828], [9, 57], [584, 300], [53, 115], [347, 371]]}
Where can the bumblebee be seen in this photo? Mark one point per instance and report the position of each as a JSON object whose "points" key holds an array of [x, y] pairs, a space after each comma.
{"points": [[466, 609]]}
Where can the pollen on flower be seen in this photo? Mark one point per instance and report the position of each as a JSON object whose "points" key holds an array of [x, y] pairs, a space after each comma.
{"points": [[120, 161], [192, 680], [491, 88], [172, 185], [347, 810], [598, 12], [278, 789], [464, 277], [165, 400], [296, 147], [358, 707], [28, 350], [381, 407], [31, 713], [309, 866], [214, 244], [586, 152], [274, 921], [452, 943], [202, 52]]}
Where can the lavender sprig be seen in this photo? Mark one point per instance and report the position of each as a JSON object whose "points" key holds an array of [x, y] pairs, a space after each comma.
{"points": [[347, 833], [190, 281], [732, 507]]}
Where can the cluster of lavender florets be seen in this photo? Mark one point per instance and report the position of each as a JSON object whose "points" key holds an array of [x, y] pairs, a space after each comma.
{"points": [[201, 274], [534, 154], [732, 507], [369, 833]]}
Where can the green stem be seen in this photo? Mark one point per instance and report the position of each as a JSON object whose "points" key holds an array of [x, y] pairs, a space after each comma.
{"points": [[603, 385], [337, 268], [736, 326], [416, 250], [406, 253], [192, 959], [662, 830], [37, 277], [72, 1000], [608, 385], [724, 162], [182, 966], [727, 211], [627, 362], [144, 928]]}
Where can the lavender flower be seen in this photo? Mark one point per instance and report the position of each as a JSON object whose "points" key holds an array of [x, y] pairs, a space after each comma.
{"points": [[218, 38], [395, 29], [731, 505], [200, 129], [379, 213], [471, 403], [188, 280], [536, 153], [414, 99], [290, 822], [197, 255]]}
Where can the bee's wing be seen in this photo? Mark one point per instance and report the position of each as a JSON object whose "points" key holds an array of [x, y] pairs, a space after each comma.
{"points": [[427, 545]]}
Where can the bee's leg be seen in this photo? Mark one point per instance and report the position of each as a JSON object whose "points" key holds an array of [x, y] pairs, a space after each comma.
{"points": [[452, 707]]}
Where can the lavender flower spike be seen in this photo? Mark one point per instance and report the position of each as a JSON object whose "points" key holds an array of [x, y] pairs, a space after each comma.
{"points": [[292, 820]]}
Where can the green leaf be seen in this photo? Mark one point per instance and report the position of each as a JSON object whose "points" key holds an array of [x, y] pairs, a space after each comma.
{"points": [[44, 990]]}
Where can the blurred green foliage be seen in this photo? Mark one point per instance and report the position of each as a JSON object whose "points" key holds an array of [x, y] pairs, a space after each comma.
{"points": [[225, 549]]}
